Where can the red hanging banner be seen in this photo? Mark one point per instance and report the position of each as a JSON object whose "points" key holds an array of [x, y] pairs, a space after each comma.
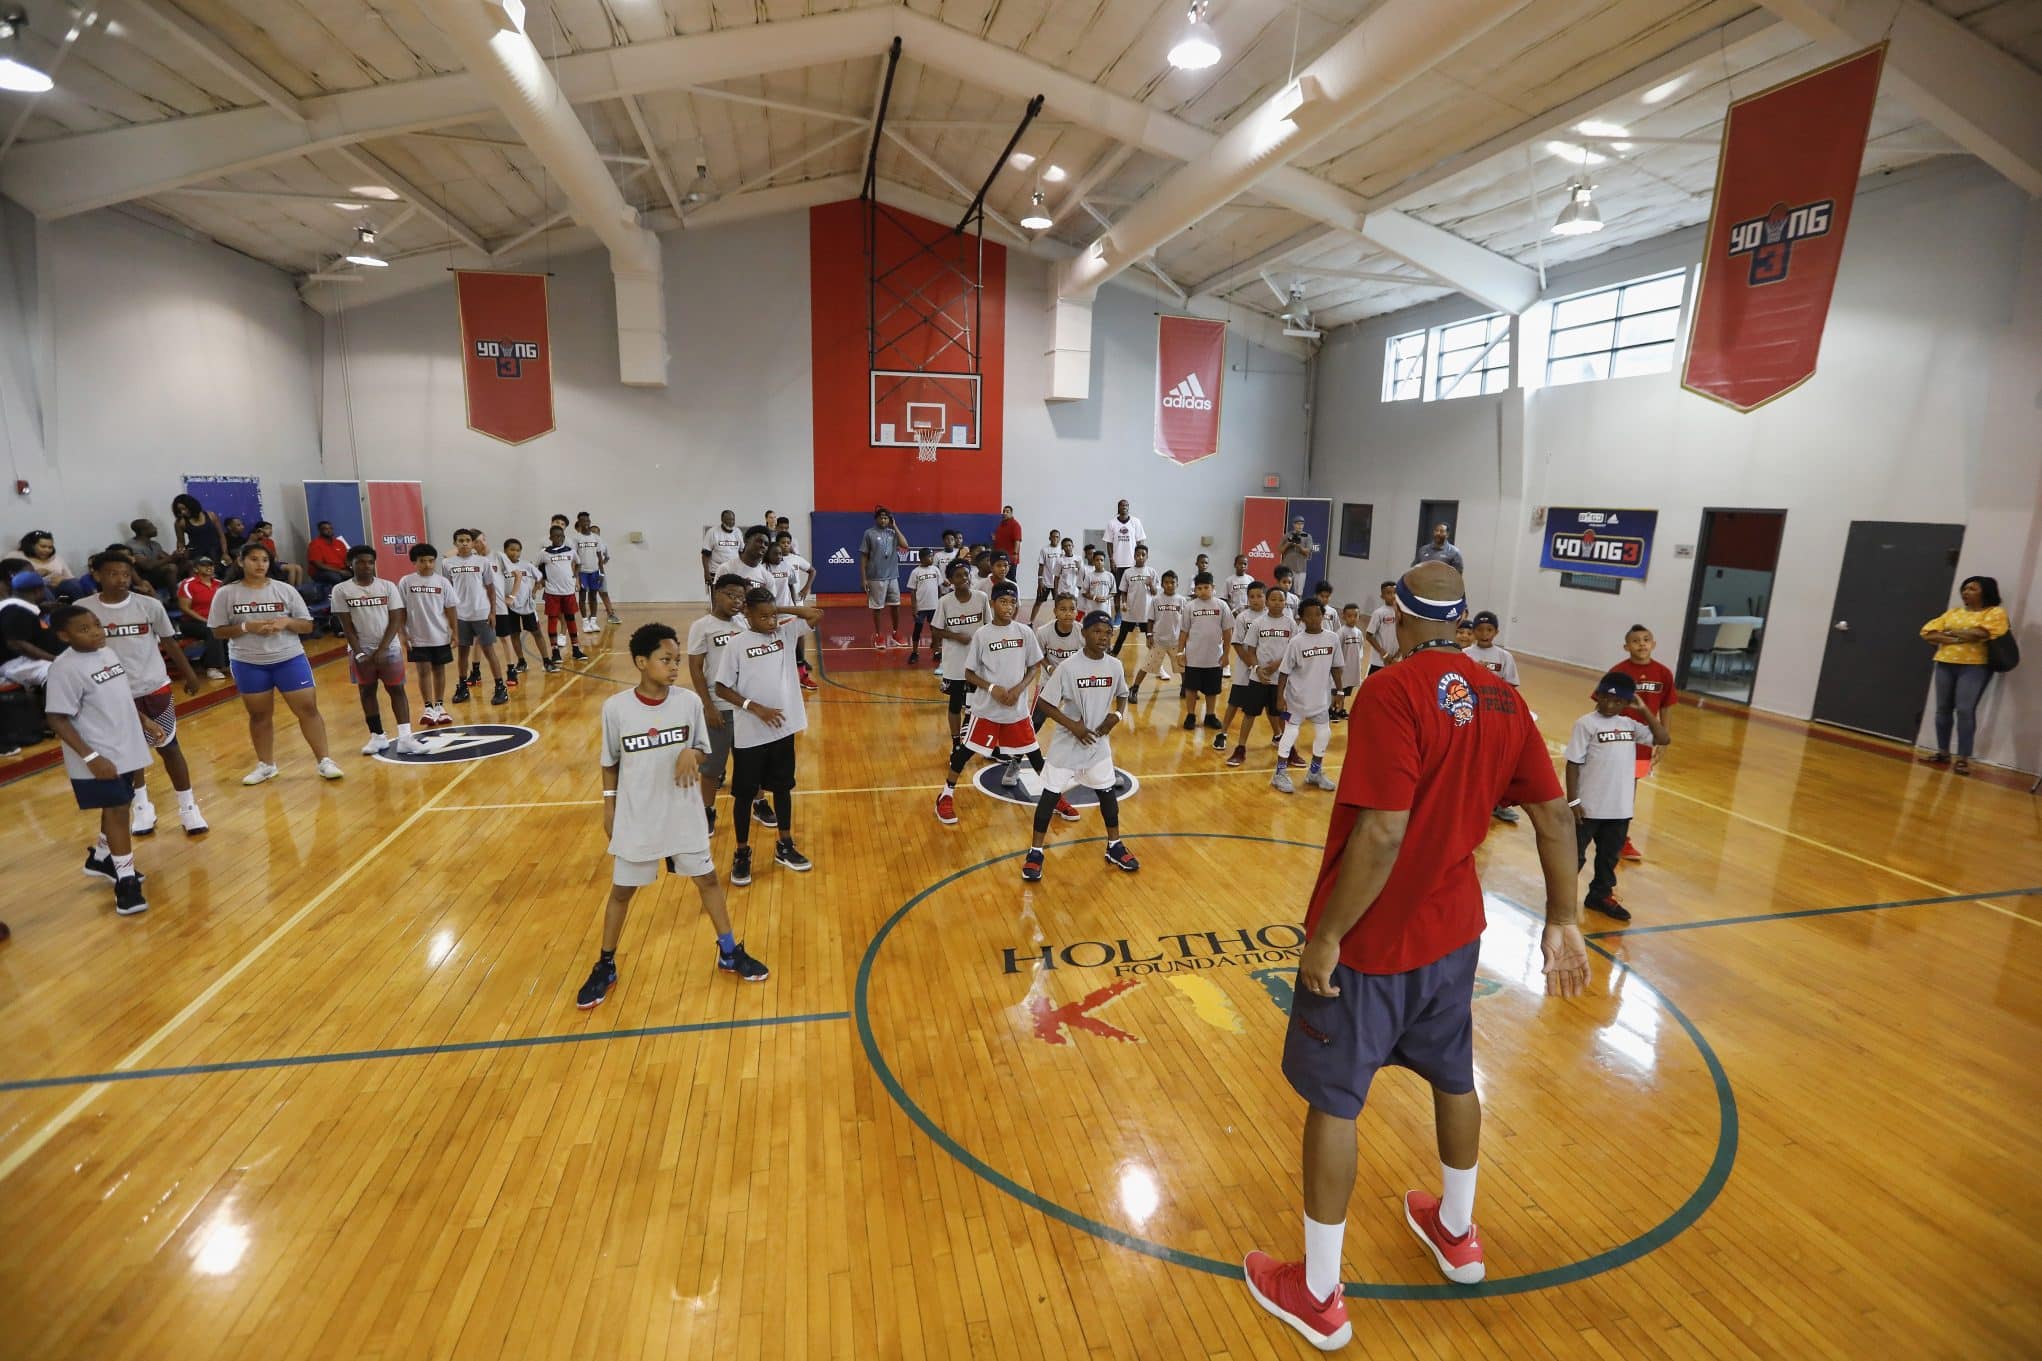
{"points": [[1789, 170], [396, 525], [506, 354], [1191, 362]]}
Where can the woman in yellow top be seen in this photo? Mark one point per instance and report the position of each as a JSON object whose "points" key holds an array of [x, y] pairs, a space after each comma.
{"points": [[1961, 672]]}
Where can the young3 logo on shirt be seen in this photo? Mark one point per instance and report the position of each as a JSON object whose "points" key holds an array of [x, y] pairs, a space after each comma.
{"points": [[259, 607], [1616, 735], [654, 738], [126, 630], [1095, 682], [111, 671], [766, 649], [1003, 644]]}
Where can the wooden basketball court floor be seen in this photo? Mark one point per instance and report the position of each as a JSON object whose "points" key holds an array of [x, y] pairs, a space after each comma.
{"points": [[331, 1097]]}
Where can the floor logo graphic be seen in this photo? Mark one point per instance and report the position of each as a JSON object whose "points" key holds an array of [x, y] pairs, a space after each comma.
{"points": [[469, 742], [1027, 787]]}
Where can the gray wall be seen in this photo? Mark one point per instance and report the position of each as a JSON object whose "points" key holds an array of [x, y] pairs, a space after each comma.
{"points": [[1924, 408]]}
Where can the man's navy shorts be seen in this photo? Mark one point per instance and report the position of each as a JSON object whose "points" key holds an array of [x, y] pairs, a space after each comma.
{"points": [[1422, 1020]]}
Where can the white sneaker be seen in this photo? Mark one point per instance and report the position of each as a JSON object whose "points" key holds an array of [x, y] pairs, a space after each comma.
{"points": [[263, 771], [194, 821], [141, 817], [377, 742], [329, 769], [215, 673], [408, 746]]}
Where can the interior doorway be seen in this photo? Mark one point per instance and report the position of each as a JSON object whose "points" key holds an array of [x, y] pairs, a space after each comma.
{"points": [[1875, 668], [1731, 595], [1432, 513]]}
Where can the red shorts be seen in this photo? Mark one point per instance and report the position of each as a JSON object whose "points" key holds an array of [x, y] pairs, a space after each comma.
{"points": [[1644, 766], [559, 606], [386, 666], [986, 737]]}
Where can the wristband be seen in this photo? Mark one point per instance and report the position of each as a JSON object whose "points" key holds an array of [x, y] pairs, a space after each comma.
{"points": [[1573, 803], [89, 757], [609, 793], [747, 706]]}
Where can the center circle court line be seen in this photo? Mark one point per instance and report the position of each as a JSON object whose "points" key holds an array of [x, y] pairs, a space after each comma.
{"points": [[133, 1058], [1683, 1216]]}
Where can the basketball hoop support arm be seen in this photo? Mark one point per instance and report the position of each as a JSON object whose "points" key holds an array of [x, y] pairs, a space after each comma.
{"points": [[978, 204], [879, 121]]}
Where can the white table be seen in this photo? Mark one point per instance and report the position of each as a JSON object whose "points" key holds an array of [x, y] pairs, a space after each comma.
{"points": [[1756, 621]]}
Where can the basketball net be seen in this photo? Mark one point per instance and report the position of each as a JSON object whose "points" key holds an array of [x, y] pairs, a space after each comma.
{"points": [[927, 439]]}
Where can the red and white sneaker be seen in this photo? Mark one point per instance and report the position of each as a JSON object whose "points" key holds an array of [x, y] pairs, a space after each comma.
{"points": [[1460, 1259], [808, 680], [1064, 809], [1631, 852], [1280, 1288], [946, 809]]}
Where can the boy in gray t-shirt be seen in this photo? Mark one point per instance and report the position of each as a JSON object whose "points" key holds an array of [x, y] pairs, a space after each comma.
{"points": [[1601, 760], [650, 751], [1084, 699], [88, 706]]}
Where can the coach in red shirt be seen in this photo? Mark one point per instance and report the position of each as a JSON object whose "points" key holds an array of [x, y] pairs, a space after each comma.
{"points": [[1007, 538], [1394, 932]]}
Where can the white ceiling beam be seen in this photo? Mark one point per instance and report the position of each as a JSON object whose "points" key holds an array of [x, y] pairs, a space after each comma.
{"points": [[1984, 99], [1101, 171], [378, 170], [1876, 143], [500, 144], [771, 172], [339, 198], [965, 195], [200, 39], [1373, 276], [658, 163], [1250, 269], [779, 105], [1460, 265]]}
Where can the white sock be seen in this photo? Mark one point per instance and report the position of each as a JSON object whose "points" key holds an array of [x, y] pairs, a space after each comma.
{"points": [[1456, 1199], [1322, 1256], [403, 731], [99, 846], [187, 799], [124, 867]]}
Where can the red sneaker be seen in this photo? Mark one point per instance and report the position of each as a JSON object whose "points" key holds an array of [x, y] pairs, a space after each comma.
{"points": [[1630, 852], [1064, 809], [808, 682], [1280, 1288], [1460, 1259], [946, 809]]}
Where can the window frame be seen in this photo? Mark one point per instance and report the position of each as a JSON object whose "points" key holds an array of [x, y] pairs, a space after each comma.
{"points": [[1615, 322], [1494, 345], [1391, 380]]}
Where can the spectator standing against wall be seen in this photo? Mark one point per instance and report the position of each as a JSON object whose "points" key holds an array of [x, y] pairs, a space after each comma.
{"points": [[1961, 636], [1440, 549]]}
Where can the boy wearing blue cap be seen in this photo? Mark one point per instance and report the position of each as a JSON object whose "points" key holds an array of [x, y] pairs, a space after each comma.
{"points": [[1601, 783]]}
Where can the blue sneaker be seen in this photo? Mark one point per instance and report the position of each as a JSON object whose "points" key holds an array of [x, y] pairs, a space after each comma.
{"points": [[1031, 868], [743, 965], [600, 980], [1121, 858]]}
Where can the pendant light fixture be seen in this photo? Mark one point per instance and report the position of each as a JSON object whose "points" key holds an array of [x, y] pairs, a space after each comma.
{"points": [[1579, 217], [1037, 218], [1197, 47], [17, 73], [364, 253]]}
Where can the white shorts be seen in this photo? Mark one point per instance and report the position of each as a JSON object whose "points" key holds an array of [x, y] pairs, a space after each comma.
{"points": [[639, 873], [1300, 716], [1099, 775]]}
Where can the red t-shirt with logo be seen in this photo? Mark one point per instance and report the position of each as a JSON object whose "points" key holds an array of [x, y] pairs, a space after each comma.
{"points": [[1007, 539], [1655, 683], [1450, 741]]}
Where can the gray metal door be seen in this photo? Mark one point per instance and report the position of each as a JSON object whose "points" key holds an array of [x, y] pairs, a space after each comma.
{"points": [[1876, 669]]}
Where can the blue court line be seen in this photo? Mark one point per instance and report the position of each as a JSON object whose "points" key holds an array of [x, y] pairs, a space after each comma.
{"points": [[1810, 912], [414, 1051]]}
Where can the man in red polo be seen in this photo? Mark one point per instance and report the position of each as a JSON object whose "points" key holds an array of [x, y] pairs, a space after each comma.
{"points": [[1007, 539], [1394, 932]]}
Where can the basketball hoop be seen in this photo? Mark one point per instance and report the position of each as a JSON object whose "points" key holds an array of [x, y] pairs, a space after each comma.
{"points": [[928, 438]]}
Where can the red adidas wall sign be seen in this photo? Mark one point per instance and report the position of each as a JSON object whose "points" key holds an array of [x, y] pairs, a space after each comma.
{"points": [[1191, 366]]}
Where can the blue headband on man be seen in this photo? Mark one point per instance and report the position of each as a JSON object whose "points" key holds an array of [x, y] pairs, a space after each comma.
{"points": [[1421, 607]]}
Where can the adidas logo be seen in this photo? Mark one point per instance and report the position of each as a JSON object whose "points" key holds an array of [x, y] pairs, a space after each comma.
{"points": [[840, 556], [1261, 550], [1188, 395]]}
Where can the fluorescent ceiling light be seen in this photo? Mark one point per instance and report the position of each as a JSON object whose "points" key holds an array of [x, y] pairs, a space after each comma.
{"points": [[364, 252], [383, 192], [1595, 129], [368, 261], [350, 207], [16, 74], [1021, 160], [1037, 219], [1577, 154], [1579, 217], [1053, 173], [1197, 47], [1664, 91]]}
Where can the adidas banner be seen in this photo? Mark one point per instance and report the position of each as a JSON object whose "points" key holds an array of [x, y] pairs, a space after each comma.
{"points": [[834, 536], [1791, 157], [506, 355], [1191, 362]]}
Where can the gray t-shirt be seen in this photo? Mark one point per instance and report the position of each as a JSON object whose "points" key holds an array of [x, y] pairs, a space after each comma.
{"points": [[1496, 659], [91, 689], [1169, 620], [760, 667], [654, 817], [1353, 654], [1084, 690], [1445, 553], [425, 610], [132, 628], [1382, 630], [1057, 647], [469, 580], [958, 616], [1138, 585], [1297, 553], [240, 603], [1306, 672], [879, 551], [1001, 654], [521, 587], [706, 637], [1606, 749], [1272, 634], [368, 609], [1207, 626]]}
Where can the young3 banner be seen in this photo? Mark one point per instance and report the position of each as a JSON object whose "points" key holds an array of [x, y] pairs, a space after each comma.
{"points": [[1191, 363], [506, 354], [1602, 543], [1789, 169], [396, 524]]}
